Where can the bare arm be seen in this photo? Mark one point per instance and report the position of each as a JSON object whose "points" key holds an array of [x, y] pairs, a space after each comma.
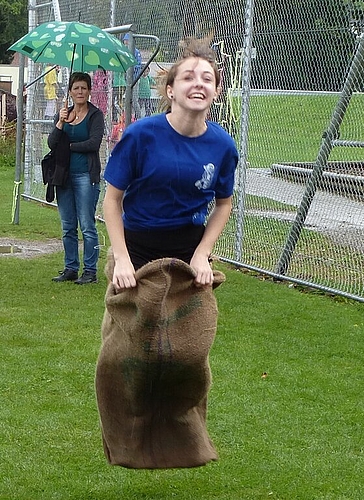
{"points": [[214, 228], [124, 272]]}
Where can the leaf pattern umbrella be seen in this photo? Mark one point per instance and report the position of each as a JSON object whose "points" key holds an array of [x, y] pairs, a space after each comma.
{"points": [[75, 45]]}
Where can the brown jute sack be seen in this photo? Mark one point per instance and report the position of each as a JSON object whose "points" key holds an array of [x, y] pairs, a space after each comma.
{"points": [[153, 373]]}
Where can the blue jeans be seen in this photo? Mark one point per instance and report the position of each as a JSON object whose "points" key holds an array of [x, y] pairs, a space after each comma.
{"points": [[77, 203]]}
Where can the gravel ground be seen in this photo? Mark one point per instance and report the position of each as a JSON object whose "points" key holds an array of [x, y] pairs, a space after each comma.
{"points": [[340, 218], [28, 249]]}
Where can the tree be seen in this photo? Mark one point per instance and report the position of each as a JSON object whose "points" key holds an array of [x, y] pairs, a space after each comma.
{"points": [[13, 25], [303, 45]]}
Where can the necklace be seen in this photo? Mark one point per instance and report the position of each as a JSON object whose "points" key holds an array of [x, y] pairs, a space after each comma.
{"points": [[80, 115]]}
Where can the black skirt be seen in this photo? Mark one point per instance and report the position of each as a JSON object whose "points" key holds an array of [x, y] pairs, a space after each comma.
{"points": [[152, 244]]}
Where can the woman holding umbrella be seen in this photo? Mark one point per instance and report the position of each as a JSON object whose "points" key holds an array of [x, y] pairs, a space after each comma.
{"points": [[81, 126]]}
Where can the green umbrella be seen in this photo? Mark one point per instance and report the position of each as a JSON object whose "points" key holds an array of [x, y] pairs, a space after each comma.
{"points": [[77, 46]]}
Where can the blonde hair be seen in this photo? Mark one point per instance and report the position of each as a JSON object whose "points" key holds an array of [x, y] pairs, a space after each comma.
{"points": [[199, 49]]}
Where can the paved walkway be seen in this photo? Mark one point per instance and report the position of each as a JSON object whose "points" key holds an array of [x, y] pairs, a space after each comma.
{"points": [[339, 217]]}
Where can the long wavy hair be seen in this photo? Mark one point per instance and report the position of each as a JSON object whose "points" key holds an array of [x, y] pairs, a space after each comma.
{"points": [[200, 49]]}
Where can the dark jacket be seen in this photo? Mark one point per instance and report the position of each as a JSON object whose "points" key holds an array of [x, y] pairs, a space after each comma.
{"points": [[55, 165], [91, 146]]}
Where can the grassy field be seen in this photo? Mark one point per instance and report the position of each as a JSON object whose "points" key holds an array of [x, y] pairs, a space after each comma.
{"points": [[284, 129], [289, 128], [285, 408]]}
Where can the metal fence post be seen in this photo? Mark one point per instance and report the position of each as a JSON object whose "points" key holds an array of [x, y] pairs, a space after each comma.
{"points": [[328, 138], [243, 140]]}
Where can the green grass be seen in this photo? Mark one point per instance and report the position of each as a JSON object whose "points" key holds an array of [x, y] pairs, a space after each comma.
{"points": [[295, 434], [314, 260], [289, 128], [40, 222], [253, 202]]}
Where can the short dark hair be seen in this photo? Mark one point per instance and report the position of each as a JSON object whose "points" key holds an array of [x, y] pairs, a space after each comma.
{"points": [[79, 76]]}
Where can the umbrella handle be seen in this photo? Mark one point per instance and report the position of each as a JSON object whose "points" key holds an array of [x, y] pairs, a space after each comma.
{"points": [[66, 105]]}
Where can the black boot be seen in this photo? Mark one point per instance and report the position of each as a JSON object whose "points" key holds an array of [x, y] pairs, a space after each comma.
{"points": [[66, 275], [86, 278]]}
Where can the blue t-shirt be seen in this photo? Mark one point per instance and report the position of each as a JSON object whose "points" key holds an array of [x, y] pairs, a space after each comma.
{"points": [[169, 179]]}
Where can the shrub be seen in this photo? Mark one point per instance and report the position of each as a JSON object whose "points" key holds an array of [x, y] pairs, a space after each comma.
{"points": [[7, 147]]}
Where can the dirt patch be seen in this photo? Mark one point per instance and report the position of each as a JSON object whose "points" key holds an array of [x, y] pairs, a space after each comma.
{"points": [[23, 249]]}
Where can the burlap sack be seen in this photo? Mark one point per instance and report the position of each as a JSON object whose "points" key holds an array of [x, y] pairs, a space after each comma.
{"points": [[153, 373]]}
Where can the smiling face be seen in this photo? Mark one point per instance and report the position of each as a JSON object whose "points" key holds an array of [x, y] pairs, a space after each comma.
{"points": [[194, 86]]}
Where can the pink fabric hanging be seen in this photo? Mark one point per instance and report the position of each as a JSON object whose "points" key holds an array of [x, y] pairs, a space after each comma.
{"points": [[100, 88]]}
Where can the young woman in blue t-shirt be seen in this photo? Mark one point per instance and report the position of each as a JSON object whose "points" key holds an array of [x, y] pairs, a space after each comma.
{"points": [[165, 172]]}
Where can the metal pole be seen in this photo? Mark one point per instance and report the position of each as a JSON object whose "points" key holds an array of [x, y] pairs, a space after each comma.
{"points": [[29, 105], [129, 82], [243, 153], [112, 13], [19, 141], [56, 10], [356, 69], [110, 93]]}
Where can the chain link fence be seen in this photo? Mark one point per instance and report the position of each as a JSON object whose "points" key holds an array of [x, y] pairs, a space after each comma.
{"points": [[292, 98]]}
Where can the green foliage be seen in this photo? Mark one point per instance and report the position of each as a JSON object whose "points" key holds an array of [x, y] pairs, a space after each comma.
{"points": [[7, 153], [313, 37], [13, 25]]}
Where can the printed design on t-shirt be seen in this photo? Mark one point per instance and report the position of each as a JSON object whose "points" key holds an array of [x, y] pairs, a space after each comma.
{"points": [[206, 179]]}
